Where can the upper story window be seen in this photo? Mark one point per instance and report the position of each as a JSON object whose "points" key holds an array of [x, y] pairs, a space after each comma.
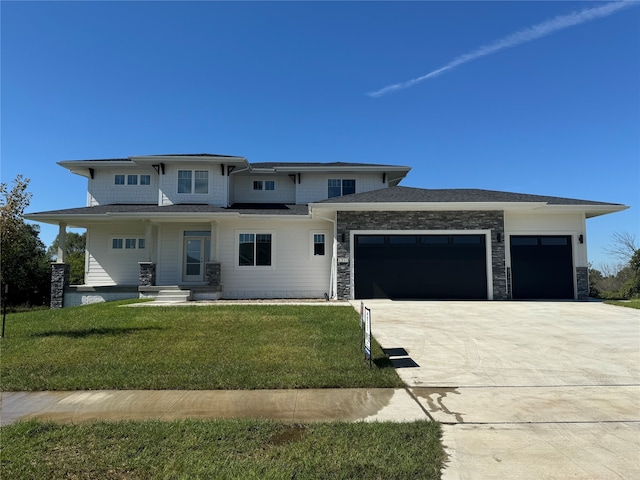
{"points": [[132, 179], [339, 187], [264, 185], [193, 181]]}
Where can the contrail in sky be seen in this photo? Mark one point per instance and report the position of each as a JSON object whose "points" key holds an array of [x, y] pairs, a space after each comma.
{"points": [[522, 36]]}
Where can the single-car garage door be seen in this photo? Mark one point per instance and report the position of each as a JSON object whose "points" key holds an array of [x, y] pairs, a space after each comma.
{"points": [[541, 267], [420, 266]]}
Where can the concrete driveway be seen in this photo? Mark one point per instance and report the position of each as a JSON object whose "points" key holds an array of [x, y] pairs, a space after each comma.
{"points": [[525, 390]]}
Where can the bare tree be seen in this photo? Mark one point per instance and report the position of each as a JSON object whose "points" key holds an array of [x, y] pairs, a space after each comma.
{"points": [[623, 246]]}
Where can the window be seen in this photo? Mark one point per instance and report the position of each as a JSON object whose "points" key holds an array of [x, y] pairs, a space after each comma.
{"points": [[202, 182], [193, 181], [130, 243], [132, 179], [184, 181], [338, 187], [318, 244], [264, 185], [254, 249]]}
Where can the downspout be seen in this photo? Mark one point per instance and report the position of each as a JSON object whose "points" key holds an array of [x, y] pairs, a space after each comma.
{"points": [[333, 279]]}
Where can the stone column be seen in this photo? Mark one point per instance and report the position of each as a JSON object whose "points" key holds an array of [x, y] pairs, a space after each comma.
{"points": [[582, 277], [59, 281], [147, 275], [212, 274]]}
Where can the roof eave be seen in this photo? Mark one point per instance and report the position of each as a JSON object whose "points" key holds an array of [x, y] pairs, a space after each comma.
{"points": [[427, 206], [341, 168]]}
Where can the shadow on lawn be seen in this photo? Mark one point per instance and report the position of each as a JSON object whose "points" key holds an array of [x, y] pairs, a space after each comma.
{"points": [[94, 331]]}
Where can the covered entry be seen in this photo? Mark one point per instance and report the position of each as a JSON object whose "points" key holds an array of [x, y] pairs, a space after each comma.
{"points": [[420, 266], [542, 267]]}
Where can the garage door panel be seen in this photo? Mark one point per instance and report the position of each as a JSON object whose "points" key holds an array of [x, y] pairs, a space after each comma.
{"points": [[422, 267], [542, 267]]}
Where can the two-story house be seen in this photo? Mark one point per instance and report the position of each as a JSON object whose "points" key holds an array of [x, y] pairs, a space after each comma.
{"points": [[216, 226]]}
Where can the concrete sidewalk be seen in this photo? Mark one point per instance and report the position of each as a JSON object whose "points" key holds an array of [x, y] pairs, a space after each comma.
{"points": [[312, 405]]}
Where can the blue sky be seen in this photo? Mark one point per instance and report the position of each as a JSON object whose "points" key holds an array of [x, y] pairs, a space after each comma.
{"points": [[557, 114]]}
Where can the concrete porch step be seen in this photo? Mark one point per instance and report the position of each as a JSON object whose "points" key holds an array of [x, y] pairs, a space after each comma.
{"points": [[173, 295]]}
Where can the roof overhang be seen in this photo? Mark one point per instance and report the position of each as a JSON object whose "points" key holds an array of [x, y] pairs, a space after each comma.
{"points": [[84, 167], [528, 207], [81, 220]]}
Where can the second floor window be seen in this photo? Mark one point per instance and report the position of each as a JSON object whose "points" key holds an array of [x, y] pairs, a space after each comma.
{"points": [[193, 181], [132, 179], [339, 187], [264, 185]]}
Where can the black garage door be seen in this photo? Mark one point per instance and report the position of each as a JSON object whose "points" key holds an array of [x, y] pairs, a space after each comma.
{"points": [[420, 266], [541, 267]]}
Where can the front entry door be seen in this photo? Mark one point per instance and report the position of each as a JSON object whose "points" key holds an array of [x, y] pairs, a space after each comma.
{"points": [[196, 252]]}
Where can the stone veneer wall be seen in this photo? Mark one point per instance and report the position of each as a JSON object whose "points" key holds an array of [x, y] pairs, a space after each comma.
{"points": [[411, 220], [147, 275], [59, 281], [212, 274], [582, 277]]}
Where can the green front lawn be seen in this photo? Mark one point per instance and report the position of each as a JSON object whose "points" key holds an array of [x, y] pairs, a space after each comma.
{"points": [[634, 303], [230, 449], [107, 346]]}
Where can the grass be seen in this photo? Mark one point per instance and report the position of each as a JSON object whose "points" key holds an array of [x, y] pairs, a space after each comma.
{"points": [[230, 449], [106, 346], [633, 303]]}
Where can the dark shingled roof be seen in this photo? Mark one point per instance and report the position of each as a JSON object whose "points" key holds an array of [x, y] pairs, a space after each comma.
{"points": [[452, 195], [248, 209], [315, 164]]}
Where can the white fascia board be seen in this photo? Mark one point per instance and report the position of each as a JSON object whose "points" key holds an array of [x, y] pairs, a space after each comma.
{"points": [[345, 168], [588, 210], [81, 167], [427, 206]]}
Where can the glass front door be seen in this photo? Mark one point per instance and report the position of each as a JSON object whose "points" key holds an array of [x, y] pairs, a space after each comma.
{"points": [[196, 252]]}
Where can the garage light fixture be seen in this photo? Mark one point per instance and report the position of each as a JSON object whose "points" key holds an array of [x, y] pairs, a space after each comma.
{"points": [[581, 239]]}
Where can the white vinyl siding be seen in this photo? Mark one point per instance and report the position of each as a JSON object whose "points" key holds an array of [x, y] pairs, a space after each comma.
{"points": [[315, 186], [209, 187], [245, 191], [293, 274], [549, 224], [108, 266], [103, 189]]}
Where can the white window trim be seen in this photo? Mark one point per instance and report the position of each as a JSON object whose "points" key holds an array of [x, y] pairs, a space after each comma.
{"points": [[236, 253], [124, 239], [126, 180], [193, 181], [355, 184], [263, 185], [328, 244]]}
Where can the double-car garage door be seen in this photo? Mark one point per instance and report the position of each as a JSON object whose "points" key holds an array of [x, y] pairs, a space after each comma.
{"points": [[455, 266], [420, 266]]}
